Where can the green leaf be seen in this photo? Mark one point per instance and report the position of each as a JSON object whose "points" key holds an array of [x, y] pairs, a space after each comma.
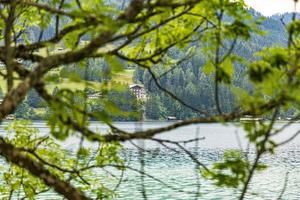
{"points": [[208, 68]]}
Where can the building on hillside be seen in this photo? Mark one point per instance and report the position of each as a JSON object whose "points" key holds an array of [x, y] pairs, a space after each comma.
{"points": [[20, 61], [96, 95], [138, 90], [10, 117]]}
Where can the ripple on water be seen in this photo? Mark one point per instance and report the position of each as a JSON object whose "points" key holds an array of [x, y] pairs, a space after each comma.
{"points": [[178, 171]]}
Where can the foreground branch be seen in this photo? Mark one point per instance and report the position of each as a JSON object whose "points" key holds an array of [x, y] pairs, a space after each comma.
{"points": [[15, 156]]}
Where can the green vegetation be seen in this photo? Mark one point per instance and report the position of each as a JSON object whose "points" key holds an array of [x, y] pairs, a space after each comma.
{"points": [[125, 76], [203, 61], [192, 80], [34, 108]]}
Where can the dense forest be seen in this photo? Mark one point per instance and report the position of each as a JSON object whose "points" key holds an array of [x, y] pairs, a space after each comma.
{"points": [[193, 84], [188, 79]]}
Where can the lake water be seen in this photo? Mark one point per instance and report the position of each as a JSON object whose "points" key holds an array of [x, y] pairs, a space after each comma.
{"points": [[177, 170]]}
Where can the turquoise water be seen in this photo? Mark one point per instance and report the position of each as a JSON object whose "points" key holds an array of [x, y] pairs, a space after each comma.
{"points": [[177, 171]]}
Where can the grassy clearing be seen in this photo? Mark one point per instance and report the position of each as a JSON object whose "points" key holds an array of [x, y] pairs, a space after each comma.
{"points": [[72, 85], [40, 111], [124, 77]]}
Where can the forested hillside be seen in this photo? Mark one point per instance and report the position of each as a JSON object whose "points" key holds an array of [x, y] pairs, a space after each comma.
{"points": [[188, 79], [194, 84]]}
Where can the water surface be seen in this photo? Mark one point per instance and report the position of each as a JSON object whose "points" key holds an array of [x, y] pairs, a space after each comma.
{"points": [[178, 172]]}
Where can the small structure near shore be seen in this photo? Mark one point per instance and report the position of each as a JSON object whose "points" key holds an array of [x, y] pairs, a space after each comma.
{"points": [[171, 118], [249, 118]]}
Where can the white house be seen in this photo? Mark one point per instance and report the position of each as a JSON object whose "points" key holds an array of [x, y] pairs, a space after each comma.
{"points": [[138, 90]]}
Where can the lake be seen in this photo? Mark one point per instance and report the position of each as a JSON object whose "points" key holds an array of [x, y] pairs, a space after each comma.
{"points": [[178, 173]]}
